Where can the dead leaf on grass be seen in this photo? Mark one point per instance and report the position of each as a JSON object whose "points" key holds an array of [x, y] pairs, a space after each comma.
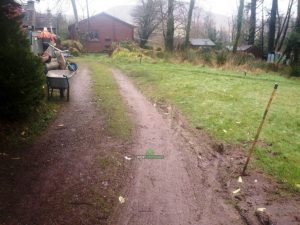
{"points": [[236, 191], [121, 199], [261, 209], [240, 180], [127, 158]]}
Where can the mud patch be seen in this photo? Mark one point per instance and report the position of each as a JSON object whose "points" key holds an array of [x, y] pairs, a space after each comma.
{"points": [[257, 191]]}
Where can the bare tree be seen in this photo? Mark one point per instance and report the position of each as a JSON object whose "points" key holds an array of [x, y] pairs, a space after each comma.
{"points": [[146, 16], [239, 25], [188, 27], [283, 29], [169, 40]]}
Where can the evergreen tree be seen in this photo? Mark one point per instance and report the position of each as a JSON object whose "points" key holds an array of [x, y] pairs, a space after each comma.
{"points": [[21, 72]]}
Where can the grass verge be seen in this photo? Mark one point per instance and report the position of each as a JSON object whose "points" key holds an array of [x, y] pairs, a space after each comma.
{"points": [[109, 100], [17, 135]]}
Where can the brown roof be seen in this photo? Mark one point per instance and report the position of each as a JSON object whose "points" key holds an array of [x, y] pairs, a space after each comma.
{"points": [[108, 15]]}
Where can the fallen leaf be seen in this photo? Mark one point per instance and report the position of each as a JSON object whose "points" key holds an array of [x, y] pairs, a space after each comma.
{"points": [[240, 180], [121, 199], [236, 191], [261, 209], [127, 158]]}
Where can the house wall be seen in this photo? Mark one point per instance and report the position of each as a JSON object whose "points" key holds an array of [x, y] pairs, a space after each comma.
{"points": [[109, 30]]}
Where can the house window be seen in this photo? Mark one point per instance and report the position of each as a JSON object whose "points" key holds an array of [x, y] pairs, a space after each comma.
{"points": [[90, 36]]}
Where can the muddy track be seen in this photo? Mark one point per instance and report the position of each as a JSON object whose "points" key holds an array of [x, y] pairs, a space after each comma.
{"points": [[59, 179], [194, 183], [182, 188]]}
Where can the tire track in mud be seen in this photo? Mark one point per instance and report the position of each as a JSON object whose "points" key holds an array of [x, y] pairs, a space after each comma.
{"points": [[183, 188]]}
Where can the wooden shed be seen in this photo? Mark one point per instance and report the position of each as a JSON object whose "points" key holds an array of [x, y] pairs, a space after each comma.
{"points": [[99, 32], [201, 43]]}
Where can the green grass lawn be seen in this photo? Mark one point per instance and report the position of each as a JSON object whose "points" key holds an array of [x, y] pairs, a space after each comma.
{"points": [[229, 106]]}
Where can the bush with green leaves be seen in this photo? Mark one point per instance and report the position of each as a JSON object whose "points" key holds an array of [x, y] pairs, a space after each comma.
{"points": [[21, 72]]}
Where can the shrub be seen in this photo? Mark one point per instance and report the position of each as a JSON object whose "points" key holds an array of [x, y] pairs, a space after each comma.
{"points": [[21, 78], [129, 56], [190, 55], [206, 55], [242, 58], [221, 57], [160, 55], [295, 71], [72, 44], [74, 52]]}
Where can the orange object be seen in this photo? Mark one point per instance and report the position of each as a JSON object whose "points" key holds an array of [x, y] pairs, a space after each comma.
{"points": [[45, 34]]}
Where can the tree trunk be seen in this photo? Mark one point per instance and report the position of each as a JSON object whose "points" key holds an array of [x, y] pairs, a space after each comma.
{"points": [[239, 25], [272, 27], [262, 30], [188, 27], [297, 29], [76, 18], [298, 16], [252, 28], [169, 41], [285, 26]]}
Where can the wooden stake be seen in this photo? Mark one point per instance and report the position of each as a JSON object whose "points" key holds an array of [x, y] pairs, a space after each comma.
{"points": [[259, 130]]}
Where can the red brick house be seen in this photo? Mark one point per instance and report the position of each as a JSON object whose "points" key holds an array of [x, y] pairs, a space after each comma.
{"points": [[100, 31]]}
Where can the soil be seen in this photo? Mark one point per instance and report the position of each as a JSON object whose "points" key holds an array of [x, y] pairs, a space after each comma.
{"points": [[72, 174], [75, 173]]}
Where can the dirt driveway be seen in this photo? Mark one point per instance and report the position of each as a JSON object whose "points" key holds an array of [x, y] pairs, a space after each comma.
{"points": [[66, 177], [195, 181]]}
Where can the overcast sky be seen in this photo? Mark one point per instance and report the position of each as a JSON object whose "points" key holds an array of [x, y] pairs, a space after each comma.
{"points": [[224, 7]]}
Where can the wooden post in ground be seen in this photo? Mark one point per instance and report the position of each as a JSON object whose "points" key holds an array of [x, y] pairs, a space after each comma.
{"points": [[259, 130]]}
